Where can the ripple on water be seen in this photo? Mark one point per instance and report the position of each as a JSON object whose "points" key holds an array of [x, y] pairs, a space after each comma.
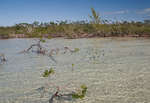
{"points": [[115, 71]]}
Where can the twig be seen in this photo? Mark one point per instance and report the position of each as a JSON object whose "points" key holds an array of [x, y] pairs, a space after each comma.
{"points": [[67, 48]]}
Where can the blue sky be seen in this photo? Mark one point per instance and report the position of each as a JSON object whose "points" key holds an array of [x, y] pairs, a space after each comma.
{"points": [[18, 11]]}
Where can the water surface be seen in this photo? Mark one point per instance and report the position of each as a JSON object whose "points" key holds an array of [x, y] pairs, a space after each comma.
{"points": [[114, 70]]}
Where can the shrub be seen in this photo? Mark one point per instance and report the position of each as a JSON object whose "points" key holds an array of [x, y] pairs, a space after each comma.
{"points": [[47, 73]]}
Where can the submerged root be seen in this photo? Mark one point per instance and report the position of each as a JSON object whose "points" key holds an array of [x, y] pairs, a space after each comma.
{"points": [[70, 96], [54, 51], [44, 51], [67, 49], [40, 49]]}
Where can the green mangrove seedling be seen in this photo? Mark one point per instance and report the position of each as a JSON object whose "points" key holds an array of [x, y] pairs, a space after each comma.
{"points": [[72, 67], [74, 95], [48, 72], [76, 49], [80, 94], [42, 40]]}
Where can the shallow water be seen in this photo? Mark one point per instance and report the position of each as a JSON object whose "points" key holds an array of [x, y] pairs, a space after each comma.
{"points": [[114, 70]]}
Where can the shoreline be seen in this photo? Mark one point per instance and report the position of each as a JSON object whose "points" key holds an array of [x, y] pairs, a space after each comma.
{"points": [[65, 37]]}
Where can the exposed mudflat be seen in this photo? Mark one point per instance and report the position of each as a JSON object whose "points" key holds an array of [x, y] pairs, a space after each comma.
{"points": [[115, 70]]}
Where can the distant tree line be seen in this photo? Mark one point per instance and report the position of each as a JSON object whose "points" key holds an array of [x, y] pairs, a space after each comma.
{"points": [[95, 27]]}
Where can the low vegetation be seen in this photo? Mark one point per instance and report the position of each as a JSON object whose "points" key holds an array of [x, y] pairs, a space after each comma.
{"points": [[58, 95], [95, 27], [81, 93], [48, 72]]}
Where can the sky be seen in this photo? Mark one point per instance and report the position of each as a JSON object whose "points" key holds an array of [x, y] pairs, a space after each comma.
{"points": [[21, 11]]}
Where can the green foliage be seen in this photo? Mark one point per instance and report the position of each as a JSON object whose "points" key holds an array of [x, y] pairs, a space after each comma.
{"points": [[76, 29], [76, 49], [42, 40], [47, 73], [81, 94], [95, 18], [72, 65], [49, 37]]}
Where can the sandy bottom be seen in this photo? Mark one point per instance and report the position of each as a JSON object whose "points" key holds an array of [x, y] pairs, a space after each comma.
{"points": [[114, 70]]}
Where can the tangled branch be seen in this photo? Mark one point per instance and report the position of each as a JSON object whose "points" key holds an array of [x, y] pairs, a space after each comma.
{"points": [[70, 96], [40, 49]]}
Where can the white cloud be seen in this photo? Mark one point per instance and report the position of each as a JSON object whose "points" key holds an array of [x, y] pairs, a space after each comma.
{"points": [[144, 11], [148, 15], [117, 12], [147, 10]]}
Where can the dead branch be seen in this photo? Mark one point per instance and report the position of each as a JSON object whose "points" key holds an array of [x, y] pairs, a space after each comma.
{"points": [[60, 96], [70, 50], [52, 58], [67, 49], [54, 51], [40, 49], [53, 96]]}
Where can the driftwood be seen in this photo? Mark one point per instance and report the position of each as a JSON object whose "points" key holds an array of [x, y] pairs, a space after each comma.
{"points": [[57, 95], [57, 50], [68, 49], [60, 96], [52, 58], [40, 49], [54, 51], [54, 96]]}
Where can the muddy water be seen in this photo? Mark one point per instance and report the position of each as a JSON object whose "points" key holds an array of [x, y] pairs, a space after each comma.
{"points": [[114, 70]]}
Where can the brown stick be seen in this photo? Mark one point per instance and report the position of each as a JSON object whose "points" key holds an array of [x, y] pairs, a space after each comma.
{"points": [[67, 48]]}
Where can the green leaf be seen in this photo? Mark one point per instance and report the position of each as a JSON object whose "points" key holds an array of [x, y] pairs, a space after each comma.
{"points": [[76, 49], [47, 73], [81, 95]]}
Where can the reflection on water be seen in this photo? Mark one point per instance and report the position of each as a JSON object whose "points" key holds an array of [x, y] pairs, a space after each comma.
{"points": [[113, 70]]}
